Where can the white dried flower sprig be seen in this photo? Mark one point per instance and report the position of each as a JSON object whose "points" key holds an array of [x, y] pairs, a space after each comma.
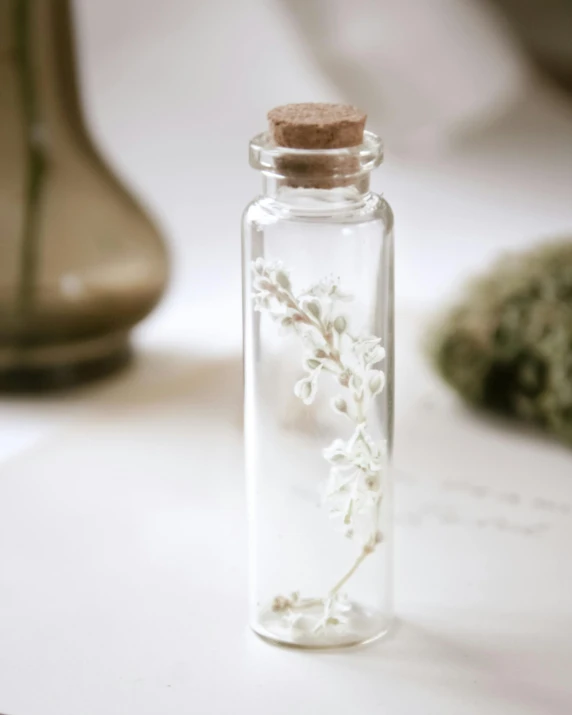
{"points": [[353, 493]]}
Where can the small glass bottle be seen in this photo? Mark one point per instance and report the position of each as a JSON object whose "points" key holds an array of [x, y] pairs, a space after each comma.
{"points": [[318, 341]]}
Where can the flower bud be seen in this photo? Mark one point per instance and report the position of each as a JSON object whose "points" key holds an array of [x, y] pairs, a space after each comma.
{"points": [[340, 324], [340, 405], [283, 280]]}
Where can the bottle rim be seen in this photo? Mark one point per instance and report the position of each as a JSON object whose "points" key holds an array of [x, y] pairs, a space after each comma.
{"points": [[279, 161]]}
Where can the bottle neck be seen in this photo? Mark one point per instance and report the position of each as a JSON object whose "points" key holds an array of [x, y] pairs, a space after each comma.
{"points": [[306, 179], [329, 190]]}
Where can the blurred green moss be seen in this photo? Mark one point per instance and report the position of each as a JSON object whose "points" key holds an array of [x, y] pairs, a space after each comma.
{"points": [[507, 345]]}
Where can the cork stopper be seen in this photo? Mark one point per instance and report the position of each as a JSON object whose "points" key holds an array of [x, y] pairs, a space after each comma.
{"points": [[317, 126]]}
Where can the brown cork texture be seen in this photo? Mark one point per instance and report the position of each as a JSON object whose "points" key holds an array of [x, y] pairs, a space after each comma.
{"points": [[316, 126]]}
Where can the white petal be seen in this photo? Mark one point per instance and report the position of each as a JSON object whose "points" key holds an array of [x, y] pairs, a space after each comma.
{"points": [[336, 452], [376, 382], [313, 389], [303, 389], [375, 355], [258, 266], [261, 283], [340, 405], [312, 363]]}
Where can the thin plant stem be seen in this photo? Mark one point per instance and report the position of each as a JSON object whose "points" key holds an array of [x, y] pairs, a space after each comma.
{"points": [[307, 603], [312, 602], [366, 551]]}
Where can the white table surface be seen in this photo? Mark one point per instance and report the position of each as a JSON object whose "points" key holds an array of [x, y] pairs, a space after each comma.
{"points": [[123, 559]]}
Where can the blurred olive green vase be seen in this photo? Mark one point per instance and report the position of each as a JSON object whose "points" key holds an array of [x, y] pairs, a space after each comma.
{"points": [[80, 262]]}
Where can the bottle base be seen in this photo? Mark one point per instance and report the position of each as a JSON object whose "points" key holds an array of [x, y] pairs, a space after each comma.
{"points": [[308, 629], [29, 370]]}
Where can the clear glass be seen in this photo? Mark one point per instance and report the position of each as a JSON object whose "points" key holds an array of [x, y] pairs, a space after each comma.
{"points": [[318, 341]]}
